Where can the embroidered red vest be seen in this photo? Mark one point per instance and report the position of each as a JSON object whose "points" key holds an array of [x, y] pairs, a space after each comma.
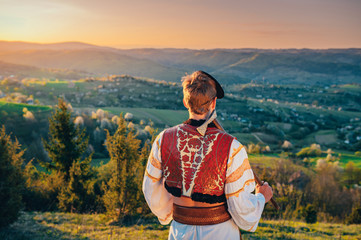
{"points": [[194, 165]]}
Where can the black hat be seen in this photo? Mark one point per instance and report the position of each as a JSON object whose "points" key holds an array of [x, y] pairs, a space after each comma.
{"points": [[219, 89]]}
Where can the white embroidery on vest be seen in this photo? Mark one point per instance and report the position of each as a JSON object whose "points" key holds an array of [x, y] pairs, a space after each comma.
{"points": [[189, 144]]}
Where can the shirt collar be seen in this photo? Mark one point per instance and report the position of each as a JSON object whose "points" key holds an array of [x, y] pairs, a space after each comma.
{"points": [[197, 123]]}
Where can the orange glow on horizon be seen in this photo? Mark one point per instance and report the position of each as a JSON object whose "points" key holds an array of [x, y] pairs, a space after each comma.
{"points": [[185, 24]]}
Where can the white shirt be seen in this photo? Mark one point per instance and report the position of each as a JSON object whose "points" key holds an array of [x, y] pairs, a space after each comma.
{"points": [[245, 207]]}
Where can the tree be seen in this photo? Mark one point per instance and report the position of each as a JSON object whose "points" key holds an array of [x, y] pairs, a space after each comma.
{"points": [[67, 142], [121, 197], [312, 151], [11, 181], [66, 148], [253, 148], [78, 194], [326, 192], [352, 174]]}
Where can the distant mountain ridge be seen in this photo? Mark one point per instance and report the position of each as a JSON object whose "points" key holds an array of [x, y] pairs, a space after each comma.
{"points": [[21, 71], [279, 66], [19, 46]]}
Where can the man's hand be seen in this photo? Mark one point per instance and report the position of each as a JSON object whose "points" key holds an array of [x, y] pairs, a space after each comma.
{"points": [[265, 189]]}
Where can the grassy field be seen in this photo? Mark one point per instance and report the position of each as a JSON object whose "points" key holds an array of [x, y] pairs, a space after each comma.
{"points": [[18, 107], [351, 87], [46, 226], [321, 137], [245, 137], [347, 157], [158, 116]]}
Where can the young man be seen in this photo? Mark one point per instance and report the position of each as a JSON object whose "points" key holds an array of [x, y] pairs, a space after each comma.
{"points": [[199, 176]]}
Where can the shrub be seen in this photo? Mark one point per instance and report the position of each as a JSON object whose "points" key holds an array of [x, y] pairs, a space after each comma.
{"points": [[41, 189], [355, 216], [310, 214], [11, 181], [253, 148], [121, 192], [312, 151]]}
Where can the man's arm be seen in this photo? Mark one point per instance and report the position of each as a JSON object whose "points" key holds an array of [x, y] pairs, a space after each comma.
{"points": [[245, 207], [159, 200]]}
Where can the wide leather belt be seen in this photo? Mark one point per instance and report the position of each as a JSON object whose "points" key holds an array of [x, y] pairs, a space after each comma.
{"points": [[200, 215]]}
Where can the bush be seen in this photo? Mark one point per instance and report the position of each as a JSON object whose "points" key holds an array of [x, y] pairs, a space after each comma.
{"points": [[122, 192], [11, 181], [312, 151], [355, 216], [310, 214], [253, 148]]}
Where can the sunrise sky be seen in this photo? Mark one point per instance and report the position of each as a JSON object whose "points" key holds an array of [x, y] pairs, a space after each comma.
{"points": [[199, 24]]}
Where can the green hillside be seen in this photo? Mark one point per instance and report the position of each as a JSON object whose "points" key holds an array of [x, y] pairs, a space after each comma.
{"points": [[18, 107], [158, 116]]}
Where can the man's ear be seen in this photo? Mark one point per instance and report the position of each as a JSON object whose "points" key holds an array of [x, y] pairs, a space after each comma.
{"points": [[185, 104], [213, 104]]}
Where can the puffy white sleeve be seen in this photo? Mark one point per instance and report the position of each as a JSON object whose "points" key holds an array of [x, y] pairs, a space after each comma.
{"points": [[245, 207], [159, 200]]}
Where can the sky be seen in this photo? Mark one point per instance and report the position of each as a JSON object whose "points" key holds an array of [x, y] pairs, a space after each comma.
{"points": [[197, 24]]}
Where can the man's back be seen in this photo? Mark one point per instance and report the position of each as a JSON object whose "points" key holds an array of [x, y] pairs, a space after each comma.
{"points": [[202, 179]]}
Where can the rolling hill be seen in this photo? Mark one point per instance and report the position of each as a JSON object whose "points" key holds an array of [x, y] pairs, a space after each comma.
{"points": [[21, 71], [279, 66], [94, 61]]}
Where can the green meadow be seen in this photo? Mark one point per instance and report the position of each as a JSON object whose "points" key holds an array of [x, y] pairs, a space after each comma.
{"points": [[157, 116], [18, 107]]}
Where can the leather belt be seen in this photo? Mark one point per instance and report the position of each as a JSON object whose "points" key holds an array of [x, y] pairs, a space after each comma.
{"points": [[200, 215]]}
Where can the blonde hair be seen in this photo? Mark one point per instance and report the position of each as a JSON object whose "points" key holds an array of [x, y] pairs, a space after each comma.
{"points": [[198, 90]]}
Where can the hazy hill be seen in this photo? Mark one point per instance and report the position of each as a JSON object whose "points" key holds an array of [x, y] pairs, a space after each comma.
{"points": [[304, 66], [8, 69], [95, 61], [280, 66], [19, 46]]}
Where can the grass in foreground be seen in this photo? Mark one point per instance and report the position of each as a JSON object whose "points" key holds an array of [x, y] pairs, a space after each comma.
{"points": [[273, 229], [46, 226]]}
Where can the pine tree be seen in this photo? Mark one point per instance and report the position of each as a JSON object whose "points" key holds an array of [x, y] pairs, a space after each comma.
{"points": [[143, 158], [121, 196], [11, 180], [67, 143], [66, 148], [78, 195]]}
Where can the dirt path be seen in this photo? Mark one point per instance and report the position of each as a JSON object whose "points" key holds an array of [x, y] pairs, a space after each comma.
{"points": [[255, 135]]}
